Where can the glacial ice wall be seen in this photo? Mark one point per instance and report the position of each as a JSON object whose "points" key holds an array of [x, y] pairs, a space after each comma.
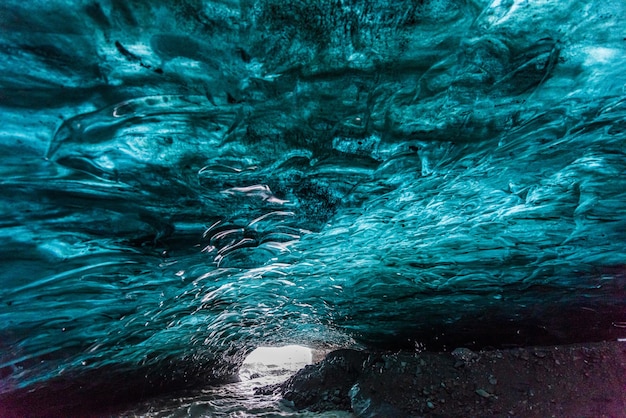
{"points": [[183, 181]]}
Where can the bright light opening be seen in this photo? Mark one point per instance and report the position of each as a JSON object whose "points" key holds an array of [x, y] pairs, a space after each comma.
{"points": [[275, 361]]}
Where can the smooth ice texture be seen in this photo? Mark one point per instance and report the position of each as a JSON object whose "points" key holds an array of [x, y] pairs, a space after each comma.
{"points": [[182, 182]]}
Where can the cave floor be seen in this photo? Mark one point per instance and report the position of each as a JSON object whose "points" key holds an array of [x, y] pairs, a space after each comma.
{"points": [[577, 380]]}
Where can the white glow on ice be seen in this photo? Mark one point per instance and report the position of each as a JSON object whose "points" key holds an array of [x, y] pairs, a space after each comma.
{"points": [[275, 360], [280, 356]]}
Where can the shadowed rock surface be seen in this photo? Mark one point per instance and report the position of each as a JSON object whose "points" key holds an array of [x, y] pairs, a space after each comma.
{"points": [[573, 380]]}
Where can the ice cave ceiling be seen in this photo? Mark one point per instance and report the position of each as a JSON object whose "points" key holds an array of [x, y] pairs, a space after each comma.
{"points": [[183, 181]]}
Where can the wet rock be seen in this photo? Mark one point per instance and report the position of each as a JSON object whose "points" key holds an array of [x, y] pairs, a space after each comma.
{"points": [[483, 393], [311, 387]]}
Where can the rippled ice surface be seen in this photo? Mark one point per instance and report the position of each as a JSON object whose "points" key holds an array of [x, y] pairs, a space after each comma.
{"points": [[232, 400], [182, 182]]}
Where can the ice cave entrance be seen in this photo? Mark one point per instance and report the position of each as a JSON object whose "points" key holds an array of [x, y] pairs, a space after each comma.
{"points": [[275, 362]]}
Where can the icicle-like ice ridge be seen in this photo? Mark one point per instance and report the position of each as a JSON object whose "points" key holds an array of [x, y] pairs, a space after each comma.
{"points": [[183, 183]]}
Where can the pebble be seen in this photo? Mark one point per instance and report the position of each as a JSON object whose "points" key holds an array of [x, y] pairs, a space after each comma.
{"points": [[464, 354], [430, 405], [483, 393]]}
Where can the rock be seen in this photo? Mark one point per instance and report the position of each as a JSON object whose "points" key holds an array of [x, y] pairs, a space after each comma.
{"points": [[464, 354], [365, 406], [311, 387], [483, 393]]}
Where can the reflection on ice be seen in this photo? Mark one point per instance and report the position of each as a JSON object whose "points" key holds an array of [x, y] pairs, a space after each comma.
{"points": [[184, 181]]}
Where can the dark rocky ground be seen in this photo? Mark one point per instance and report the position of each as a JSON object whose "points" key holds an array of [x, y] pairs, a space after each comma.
{"points": [[580, 380]]}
